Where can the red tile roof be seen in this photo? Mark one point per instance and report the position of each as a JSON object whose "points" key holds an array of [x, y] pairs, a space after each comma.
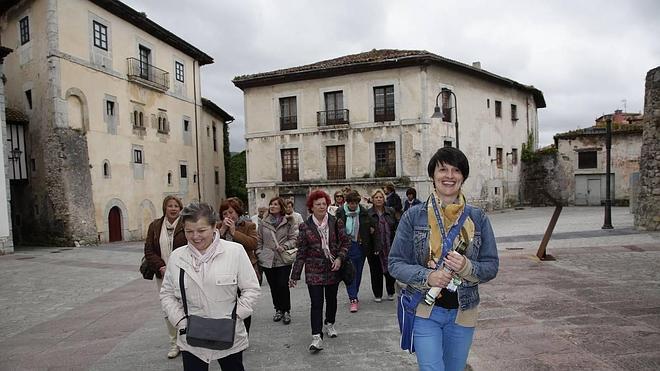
{"points": [[376, 59]]}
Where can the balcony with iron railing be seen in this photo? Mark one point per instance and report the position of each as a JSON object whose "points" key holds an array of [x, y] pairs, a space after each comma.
{"points": [[332, 118], [288, 122], [148, 75]]}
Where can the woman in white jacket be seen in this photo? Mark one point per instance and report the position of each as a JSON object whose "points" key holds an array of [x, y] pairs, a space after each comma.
{"points": [[214, 270]]}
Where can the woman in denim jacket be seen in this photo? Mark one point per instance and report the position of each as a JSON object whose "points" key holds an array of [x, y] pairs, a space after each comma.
{"points": [[443, 330]]}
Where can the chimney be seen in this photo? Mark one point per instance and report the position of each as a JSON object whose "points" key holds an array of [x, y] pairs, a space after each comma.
{"points": [[476, 64]]}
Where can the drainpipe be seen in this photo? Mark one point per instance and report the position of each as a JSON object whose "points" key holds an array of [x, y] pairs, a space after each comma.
{"points": [[199, 175]]}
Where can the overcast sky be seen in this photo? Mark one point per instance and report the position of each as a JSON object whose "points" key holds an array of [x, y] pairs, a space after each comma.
{"points": [[587, 56]]}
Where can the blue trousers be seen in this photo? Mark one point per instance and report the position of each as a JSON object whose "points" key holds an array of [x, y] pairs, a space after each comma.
{"points": [[357, 258], [441, 344]]}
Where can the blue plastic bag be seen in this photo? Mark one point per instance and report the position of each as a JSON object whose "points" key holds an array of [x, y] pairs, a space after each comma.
{"points": [[405, 311]]}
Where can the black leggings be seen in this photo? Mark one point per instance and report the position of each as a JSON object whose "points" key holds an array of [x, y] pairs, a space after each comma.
{"points": [[376, 270], [316, 294], [278, 280], [232, 362]]}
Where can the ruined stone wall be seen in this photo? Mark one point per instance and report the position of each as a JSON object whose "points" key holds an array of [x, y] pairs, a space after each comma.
{"points": [[546, 173], [647, 215]]}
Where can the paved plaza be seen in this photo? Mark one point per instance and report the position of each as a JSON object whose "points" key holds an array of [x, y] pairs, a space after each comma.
{"points": [[597, 307]]}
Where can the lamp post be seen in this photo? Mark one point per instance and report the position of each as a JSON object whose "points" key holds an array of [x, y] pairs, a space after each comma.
{"points": [[437, 111], [607, 224]]}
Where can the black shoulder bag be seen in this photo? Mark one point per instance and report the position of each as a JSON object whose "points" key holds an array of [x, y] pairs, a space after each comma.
{"points": [[209, 333], [346, 270]]}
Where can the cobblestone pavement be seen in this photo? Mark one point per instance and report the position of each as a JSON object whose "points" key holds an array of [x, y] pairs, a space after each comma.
{"points": [[597, 307]]}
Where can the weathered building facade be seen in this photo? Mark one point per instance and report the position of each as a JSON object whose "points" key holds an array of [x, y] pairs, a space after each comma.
{"points": [[364, 119], [6, 240], [582, 156], [114, 107]]}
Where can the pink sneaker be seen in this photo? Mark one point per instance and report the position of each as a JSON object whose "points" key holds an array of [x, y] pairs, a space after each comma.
{"points": [[354, 306]]}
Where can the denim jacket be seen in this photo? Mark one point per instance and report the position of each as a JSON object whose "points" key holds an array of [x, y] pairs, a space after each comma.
{"points": [[409, 254]]}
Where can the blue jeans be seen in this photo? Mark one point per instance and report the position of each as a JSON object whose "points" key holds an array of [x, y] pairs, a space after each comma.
{"points": [[355, 254], [440, 331]]}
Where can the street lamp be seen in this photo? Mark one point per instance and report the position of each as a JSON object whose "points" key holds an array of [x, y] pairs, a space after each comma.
{"points": [[437, 111]]}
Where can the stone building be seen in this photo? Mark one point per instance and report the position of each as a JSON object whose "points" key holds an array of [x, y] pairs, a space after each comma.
{"points": [[647, 212], [114, 108], [6, 241], [361, 120], [582, 158]]}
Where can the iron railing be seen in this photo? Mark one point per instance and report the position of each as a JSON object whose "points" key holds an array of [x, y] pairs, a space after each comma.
{"points": [[288, 122], [332, 117], [147, 74]]}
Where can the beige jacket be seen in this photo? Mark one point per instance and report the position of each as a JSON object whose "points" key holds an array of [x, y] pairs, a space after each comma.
{"points": [[286, 233], [212, 295]]}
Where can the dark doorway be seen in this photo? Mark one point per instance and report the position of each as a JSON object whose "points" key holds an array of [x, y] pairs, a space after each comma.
{"points": [[114, 224]]}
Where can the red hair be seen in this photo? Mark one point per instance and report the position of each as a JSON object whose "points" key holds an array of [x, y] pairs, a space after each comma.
{"points": [[315, 195]]}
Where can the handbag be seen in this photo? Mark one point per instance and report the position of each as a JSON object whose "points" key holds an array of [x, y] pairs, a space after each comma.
{"points": [[406, 310], [288, 256], [145, 269], [209, 333], [347, 272]]}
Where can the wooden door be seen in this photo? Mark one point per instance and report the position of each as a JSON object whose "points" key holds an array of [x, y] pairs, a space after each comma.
{"points": [[114, 224]]}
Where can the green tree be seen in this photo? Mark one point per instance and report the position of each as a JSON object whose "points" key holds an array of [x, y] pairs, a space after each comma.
{"points": [[236, 177]]}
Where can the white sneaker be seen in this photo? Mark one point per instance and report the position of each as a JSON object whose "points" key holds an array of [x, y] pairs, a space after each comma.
{"points": [[174, 351], [317, 344], [330, 330], [390, 297], [378, 300]]}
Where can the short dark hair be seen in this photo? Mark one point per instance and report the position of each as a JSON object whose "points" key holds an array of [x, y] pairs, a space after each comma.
{"points": [[412, 191], [196, 211], [450, 156], [233, 202], [315, 195], [353, 196]]}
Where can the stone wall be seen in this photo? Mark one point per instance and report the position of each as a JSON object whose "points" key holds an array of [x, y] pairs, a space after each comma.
{"points": [[545, 173], [647, 215]]}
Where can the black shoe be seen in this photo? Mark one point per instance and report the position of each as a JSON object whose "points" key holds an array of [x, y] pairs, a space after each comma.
{"points": [[278, 316], [286, 319]]}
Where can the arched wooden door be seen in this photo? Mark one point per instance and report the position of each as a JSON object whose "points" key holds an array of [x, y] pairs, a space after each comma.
{"points": [[114, 224]]}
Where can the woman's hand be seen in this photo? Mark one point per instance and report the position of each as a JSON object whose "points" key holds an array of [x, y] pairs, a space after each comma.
{"points": [[439, 278], [279, 249], [227, 226], [292, 283], [162, 271], [336, 264], [455, 261]]}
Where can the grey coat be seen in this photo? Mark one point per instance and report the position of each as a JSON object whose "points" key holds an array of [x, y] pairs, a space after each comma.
{"points": [[286, 234]]}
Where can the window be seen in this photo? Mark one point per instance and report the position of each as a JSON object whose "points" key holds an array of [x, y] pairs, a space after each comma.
{"points": [[145, 58], [215, 139], [488, 103], [186, 125], [384, 103], [137, 156], [290, 165], [498, 157], [208, 131], [446, 107], [514, 112], [587, 160], [109, 108], [100, 35], [178, 71], [335, 162], [488, 151], [288, 113], [385, 159], [514, 156], [447, 143], [498, 108], [24, 26], [217, 177], [169, 178], [334, 106], [183, 171], [28, 96], [106, 169], [163, 124]]}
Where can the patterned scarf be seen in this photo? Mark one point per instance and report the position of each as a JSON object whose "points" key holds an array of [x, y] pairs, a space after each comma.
{"points": [[352, 222], [166, 239], [324, 232]]}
